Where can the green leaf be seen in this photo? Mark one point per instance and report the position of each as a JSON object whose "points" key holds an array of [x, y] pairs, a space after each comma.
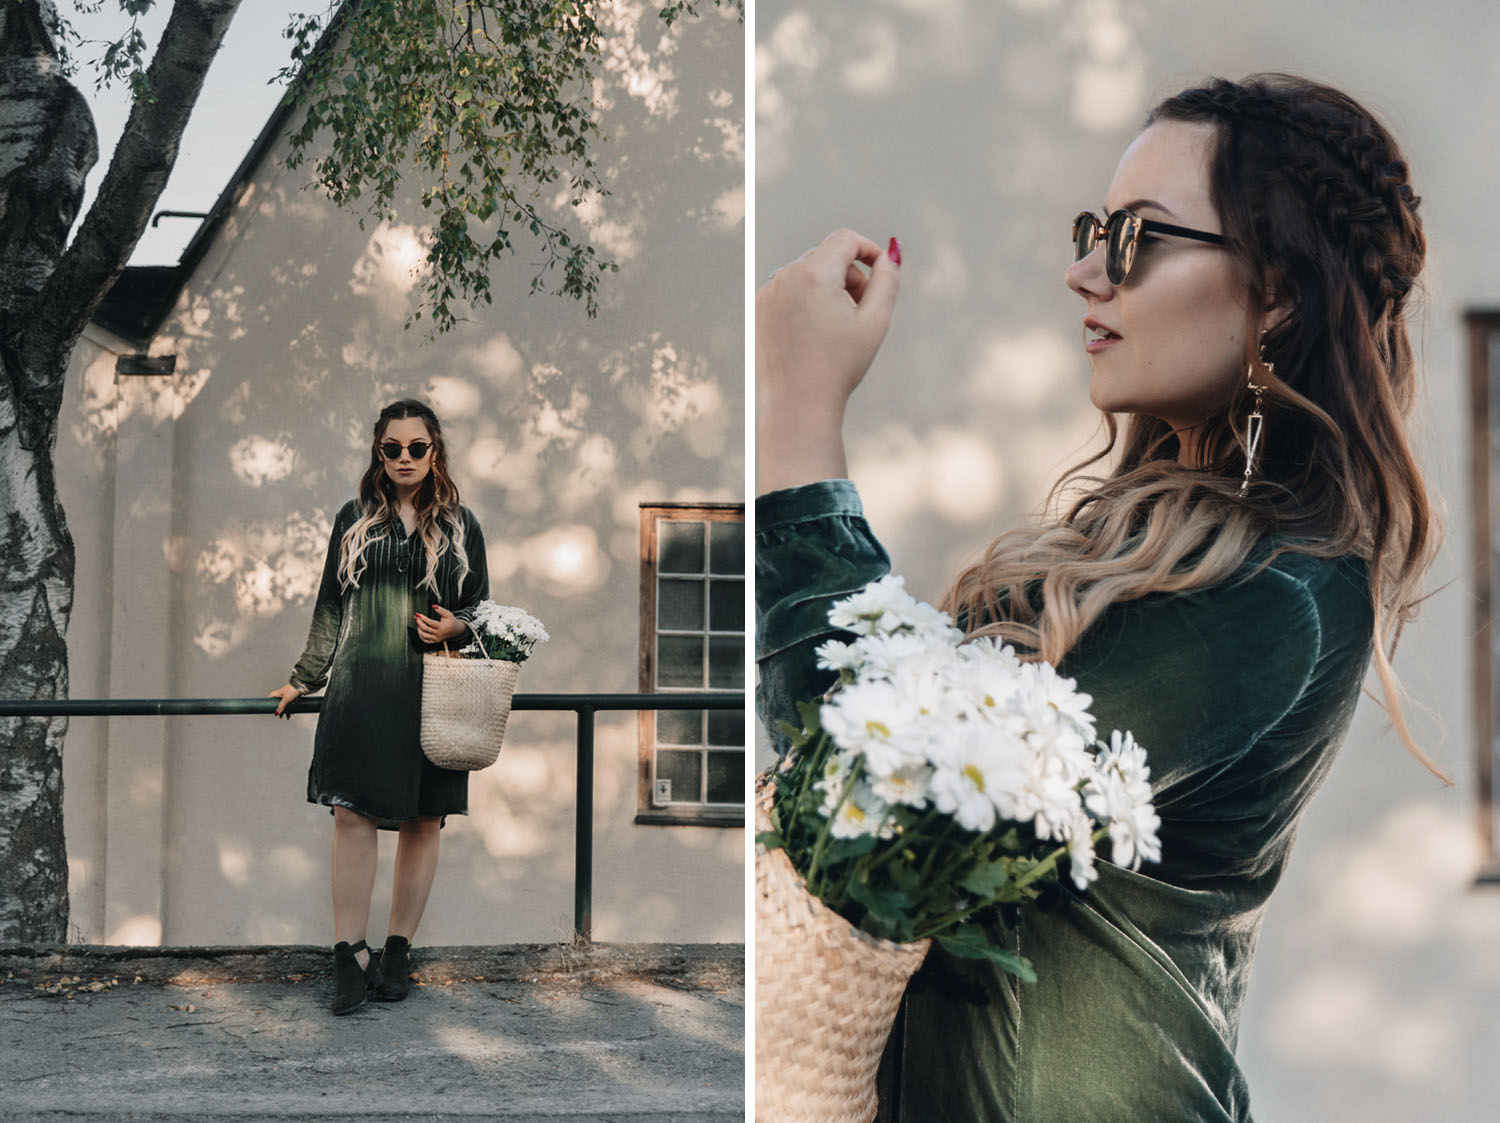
{"points": [[987, 879], [795, 736], [904, 876], [810, 713], [889, 906], [771, 840], [968, 941], [846, 849]]}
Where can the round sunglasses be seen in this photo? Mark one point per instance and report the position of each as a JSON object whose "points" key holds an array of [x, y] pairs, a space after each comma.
{"points": [[391, 450], [1122, 233]]}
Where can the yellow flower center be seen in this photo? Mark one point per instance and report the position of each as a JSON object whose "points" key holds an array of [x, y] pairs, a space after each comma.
{"points": [[974, 774], [877, 729]]}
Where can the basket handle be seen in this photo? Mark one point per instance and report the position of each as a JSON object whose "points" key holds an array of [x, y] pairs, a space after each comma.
{"points": [[479, 642]]}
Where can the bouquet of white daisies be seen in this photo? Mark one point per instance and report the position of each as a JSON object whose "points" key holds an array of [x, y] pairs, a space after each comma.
{"points": [[939, 778], [504, 631]]}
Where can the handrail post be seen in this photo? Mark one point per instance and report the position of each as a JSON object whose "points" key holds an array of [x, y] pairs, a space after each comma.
{"points": [[583, 837]]}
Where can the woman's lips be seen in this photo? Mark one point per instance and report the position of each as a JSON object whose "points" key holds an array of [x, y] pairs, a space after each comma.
{"points": [[1097, 337]]}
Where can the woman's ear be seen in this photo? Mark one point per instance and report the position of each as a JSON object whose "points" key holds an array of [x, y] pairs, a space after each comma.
{"points": [[1278, 303]]}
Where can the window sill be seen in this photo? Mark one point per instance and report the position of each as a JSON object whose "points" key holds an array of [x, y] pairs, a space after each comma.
{"points": [[720, 815]]}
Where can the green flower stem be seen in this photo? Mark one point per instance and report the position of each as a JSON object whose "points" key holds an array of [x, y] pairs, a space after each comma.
{"points": [[950, 920], [807, 760], [902, 842], [1049, 863], [954, 917], [937, 847], [826, 831], [815, 759], [866, 866]]}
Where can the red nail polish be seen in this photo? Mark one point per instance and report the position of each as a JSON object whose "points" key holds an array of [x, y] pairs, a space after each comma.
{"points": [[894, 251]]}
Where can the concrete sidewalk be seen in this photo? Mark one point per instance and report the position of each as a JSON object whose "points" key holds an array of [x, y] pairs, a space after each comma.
{"points": [[605, 1034]]}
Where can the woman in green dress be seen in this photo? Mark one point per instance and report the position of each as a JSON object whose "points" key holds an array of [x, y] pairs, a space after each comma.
{"points": [[404, 571], [1220, 592]]}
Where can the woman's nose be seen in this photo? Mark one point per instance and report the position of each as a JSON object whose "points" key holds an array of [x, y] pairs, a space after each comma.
{"points": [[1087, 277]]}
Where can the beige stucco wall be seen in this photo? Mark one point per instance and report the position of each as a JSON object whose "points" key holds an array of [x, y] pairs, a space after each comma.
{"points": [[975, 131], [200, 503]]}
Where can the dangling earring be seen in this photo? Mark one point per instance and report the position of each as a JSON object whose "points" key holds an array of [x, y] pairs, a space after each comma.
{"points": [[1256, 421]]}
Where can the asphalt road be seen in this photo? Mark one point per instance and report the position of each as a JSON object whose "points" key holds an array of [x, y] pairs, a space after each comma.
{"points": [[619, 1034]]}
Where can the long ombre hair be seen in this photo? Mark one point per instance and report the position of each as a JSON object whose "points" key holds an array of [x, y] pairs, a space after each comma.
{"points": [[439, 522], [1317, 208]]}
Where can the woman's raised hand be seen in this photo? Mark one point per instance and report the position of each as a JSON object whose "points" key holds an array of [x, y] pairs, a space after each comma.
{"points": [[818, 324], [288, 694], [447, 626]]}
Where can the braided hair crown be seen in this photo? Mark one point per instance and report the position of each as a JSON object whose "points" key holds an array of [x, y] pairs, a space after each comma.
{"points": [[1299, 146]]}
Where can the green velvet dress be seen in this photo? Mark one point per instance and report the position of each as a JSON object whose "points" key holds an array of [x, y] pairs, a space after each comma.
{"points": [[1241, 694], [363, 643]]}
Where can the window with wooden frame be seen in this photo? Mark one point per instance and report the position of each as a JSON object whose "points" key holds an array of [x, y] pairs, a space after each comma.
{"points": [[1484, 475], [692, 762]]}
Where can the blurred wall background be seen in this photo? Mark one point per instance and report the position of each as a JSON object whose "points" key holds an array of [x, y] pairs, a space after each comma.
{"points": [[974, 131], [201, 503]]}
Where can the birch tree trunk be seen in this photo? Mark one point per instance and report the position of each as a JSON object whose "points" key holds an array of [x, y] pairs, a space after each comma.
{"points": [[48, 292]]}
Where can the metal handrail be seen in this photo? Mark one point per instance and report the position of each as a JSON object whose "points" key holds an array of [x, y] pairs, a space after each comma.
{"points": [[584, 705]]}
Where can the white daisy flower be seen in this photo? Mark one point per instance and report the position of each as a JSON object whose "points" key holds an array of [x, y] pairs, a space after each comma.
{"points": [[1120, 794], [885, 653], [1081, 852], [920, 618], [860, 814], [835, 655], [876, 720], [977, 776], [908, 785], [1060, 695], [861, 612], [836, 769]]}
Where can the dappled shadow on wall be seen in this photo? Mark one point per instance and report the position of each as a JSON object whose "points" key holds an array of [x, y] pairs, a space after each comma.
{"points": [[290, 339]]}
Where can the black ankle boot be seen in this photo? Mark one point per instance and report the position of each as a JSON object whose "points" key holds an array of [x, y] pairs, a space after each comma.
{"points": [[395, 967], [352, 983]]}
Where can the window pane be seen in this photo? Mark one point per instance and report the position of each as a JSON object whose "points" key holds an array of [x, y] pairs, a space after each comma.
{"points": [[679, 727], [727, 547], [679, 546], [679, 605], [726, 605], [726, 727], [679, 661], [726, 778], [726, 662], [685, 770]]}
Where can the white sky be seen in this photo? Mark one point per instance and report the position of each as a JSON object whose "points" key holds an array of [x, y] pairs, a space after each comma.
{"points": [[235, 104]]}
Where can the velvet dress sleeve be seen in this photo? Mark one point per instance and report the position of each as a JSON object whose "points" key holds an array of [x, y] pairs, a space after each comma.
{"points": [[812, 547], [311, 671]]}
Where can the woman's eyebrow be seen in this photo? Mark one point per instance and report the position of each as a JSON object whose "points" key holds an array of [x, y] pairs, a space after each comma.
{"points": [[1137, 204]]}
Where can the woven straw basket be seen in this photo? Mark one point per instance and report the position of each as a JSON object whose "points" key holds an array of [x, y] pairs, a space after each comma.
{"points": [[826, 995], [465, 704]]}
